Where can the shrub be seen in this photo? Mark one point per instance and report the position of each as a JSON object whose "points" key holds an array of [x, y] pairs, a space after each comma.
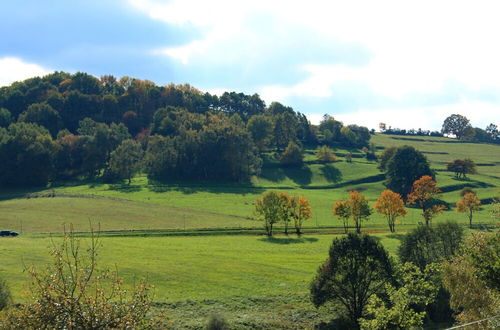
{"points": [[72, 294], [5, 298], [217, 322]]}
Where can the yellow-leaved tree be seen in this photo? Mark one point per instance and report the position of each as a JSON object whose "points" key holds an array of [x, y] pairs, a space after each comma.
{"points": [[391, 205], [468, 203]]}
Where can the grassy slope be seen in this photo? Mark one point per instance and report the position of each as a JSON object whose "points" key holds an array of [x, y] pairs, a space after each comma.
{"points": [[208, 205]]}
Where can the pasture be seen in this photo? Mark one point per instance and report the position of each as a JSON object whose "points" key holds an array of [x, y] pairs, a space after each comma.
{"points": [[151, 230]]}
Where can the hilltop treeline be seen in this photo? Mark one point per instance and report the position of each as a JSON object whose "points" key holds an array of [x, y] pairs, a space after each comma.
{"points": [[65, 125]]}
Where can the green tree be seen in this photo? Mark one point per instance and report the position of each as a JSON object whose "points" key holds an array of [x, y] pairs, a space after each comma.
{"points": [[425, 245], [5, 117], [43, 115], [292, 155], [357, 267], [462, 167], [416, 289], [261, 128], [404, 167], [26, 155], [457, 125], [268, 208], [385, 157], [285, 129], [125, 161], [473, 280]]}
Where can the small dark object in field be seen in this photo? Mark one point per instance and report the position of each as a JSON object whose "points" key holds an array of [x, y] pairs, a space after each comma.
{"points": [[217, 322], [8, 233]]}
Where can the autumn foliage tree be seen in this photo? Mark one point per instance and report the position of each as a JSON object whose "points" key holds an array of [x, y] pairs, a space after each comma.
{"points": [[302, 212], [423, 194], [356, 207], [469, 203], [391, 205], [342, 211]]}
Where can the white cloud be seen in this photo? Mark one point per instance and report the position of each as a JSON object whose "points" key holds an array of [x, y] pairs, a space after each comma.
{"points": [[415, 47], [479, 113], [14, 69]]}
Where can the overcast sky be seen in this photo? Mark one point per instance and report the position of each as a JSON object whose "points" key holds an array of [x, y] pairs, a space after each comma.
{"points": [[409, 64]]}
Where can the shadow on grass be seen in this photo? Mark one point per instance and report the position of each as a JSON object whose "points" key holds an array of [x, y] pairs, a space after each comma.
{"points": [[288, 240], [396, 236], [210, 187], [331, 174], [273, 173], [126, 188], [300, 175]]}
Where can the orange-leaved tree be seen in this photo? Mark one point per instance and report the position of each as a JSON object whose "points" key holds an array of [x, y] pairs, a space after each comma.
{"points": [[356, 207], [469, 203], [424, 194], [342, 211], [287, 206], [303, 212], [391, 205]]}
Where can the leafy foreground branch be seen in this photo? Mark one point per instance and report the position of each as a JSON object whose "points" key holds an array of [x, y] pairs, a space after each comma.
{"points": [[71, 293]]}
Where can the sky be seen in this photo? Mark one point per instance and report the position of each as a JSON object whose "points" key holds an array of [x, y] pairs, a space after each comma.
{"points": [[409, 64]]}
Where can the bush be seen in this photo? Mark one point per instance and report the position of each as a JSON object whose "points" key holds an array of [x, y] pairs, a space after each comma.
{"points": [[72, 294], [217, 322], [5, 298], [292, 155], [424, 244]]}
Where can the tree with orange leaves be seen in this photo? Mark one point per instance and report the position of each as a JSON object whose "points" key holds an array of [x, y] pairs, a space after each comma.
{"points": [[391, 205], [469, 203], [342, 211], [356, 207], [423, 194], [303, 212]]}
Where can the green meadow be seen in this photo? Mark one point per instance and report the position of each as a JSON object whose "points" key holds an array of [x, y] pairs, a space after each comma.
{"points": [[160, 230]]}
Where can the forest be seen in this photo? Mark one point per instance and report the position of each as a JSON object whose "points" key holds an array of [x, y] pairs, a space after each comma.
{"points": [[64, 126]]}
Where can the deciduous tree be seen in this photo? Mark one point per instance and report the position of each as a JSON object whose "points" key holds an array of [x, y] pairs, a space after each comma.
{"points": [[126, 160], [391, 205], [404, 167], [342, 211], [462, 167], [423, 194], [457, 125], [268, 208], [325, 155], [468, 203], [357, 267]]}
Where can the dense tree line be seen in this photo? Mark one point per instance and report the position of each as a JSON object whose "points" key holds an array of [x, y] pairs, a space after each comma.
{"points": [[65, 125]]}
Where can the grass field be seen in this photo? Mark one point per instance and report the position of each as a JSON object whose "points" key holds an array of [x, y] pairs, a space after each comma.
{"points": [[248, 277], [210, 270], [144, 205]]}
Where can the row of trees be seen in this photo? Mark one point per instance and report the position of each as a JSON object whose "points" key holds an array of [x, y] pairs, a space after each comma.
{"points": [[273, 207]]}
